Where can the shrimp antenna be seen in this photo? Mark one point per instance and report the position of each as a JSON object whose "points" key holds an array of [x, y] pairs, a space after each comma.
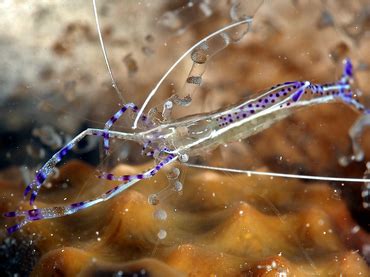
{"points": [[155, 89], [114, 84], [282, 175]]}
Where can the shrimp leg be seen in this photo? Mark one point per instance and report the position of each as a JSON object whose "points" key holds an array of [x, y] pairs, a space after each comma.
{"points": [[115, 117], [54, 212], [48, 167]]}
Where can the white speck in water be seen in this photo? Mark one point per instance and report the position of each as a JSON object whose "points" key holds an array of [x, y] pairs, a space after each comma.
{"points": [[355, 229]]}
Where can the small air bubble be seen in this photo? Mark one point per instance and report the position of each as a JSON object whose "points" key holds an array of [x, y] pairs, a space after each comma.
{"points": [[147, 51], [174, 173], [195, 80], [153, 199], [199, 56], [162, 234], [183, 158], [160, 214], [168, 105], [178, 186]]}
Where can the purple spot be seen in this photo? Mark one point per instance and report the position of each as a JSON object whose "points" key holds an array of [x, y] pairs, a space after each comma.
{"points": [[109, 176], [40, 177], [33, 197], [35, 214], [348, 68], [27, 190], [77, 205], [126, 177], [244, 115], [123, 109], [112, 120], [10, 214], [140, 176], [13, 229], [266, 100], [297, 95], [63, 152], [252, 111]]}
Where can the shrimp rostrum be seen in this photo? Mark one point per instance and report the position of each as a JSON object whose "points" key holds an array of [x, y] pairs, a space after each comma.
{"points": [[177, 140]]}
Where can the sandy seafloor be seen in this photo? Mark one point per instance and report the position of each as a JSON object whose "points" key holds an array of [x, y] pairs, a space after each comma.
{"points": [[54, 84]]}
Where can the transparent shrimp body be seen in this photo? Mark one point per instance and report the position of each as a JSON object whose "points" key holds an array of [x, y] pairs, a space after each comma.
{"points": [[194, 134]]}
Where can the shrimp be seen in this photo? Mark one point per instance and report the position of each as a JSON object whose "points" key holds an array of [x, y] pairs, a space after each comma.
{"points": [[181, 139]]}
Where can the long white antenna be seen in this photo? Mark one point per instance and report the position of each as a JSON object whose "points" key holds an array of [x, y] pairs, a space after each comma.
{"points": [[114, 84], [283, 175], [154, 90]]}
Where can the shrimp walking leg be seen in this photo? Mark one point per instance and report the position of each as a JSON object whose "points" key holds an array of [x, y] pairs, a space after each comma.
{"points": [[54, 212], [60, 211], [48, 167], [145, 175]]}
